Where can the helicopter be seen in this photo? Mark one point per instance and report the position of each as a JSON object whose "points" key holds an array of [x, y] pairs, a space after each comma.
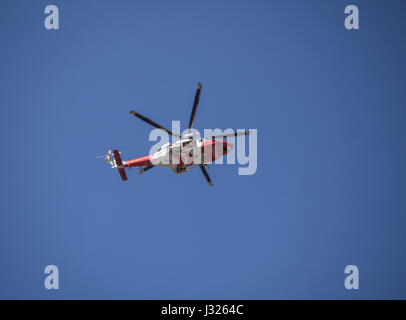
{"points": [[189, 151]]}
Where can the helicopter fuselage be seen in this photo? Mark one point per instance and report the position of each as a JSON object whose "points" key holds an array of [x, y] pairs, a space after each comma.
{"points": [[180, 155]]}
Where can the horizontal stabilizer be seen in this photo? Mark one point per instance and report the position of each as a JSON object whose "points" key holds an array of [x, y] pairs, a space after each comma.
{"points": [[119, 164]]}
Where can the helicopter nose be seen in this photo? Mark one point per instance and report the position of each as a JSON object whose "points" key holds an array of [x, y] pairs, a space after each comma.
{"points": [[227, 147]]}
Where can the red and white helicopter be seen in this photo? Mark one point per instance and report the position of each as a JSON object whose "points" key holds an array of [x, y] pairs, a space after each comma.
{"points": [[180, 155]]}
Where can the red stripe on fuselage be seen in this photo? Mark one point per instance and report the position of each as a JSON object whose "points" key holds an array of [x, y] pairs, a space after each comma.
{"points": [[209, 149]]}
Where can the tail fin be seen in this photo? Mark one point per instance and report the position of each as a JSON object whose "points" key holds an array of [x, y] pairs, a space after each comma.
{"points": [[119, 165]]}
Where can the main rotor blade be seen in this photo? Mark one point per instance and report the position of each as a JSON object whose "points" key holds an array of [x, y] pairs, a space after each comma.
{"points": [[195, 103], [246, 133], [153, 123], [206, 175]]}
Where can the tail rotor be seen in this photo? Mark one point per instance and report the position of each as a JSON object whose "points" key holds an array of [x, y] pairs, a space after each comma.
{"points": [[113, 158]]}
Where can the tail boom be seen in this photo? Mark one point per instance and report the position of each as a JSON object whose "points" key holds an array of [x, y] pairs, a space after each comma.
{"points": [[114, 159], [139, 162]]}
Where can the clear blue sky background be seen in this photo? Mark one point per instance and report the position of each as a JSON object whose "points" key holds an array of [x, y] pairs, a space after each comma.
{"points": [[329, 106]]}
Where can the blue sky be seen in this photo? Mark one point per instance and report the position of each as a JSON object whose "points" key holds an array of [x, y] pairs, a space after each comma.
{"points": [[329, 106]]}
